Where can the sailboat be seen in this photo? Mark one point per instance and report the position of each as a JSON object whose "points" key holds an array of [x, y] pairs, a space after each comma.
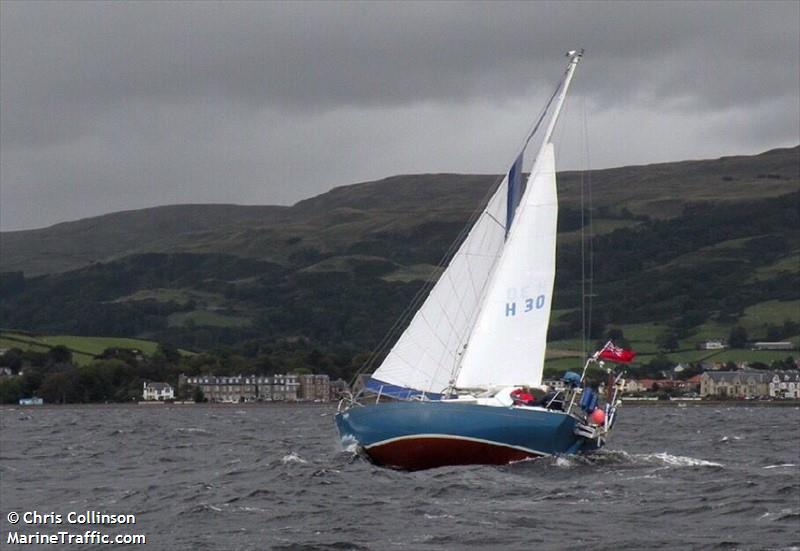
{"points": [[445, 394]]}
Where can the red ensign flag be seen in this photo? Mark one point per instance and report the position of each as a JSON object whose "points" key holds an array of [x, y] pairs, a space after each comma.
{"points": [[614, 353]]}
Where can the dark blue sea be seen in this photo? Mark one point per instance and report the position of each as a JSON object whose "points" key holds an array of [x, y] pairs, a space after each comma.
{"points": [[275, 477]]}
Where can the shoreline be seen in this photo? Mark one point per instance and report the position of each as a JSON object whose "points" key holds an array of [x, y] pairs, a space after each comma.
{"points": [[626, 403], [737, 403]]}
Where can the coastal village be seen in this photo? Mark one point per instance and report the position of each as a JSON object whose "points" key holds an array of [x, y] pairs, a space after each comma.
{"points": [[714, 381], [745, 383], [682, 382], [237, 389]]}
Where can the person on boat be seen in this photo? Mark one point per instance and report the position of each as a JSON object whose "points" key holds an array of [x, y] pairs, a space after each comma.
{"points": [[554, 398], [571, 379], [551, 400], [589, 398], [522, 396]]}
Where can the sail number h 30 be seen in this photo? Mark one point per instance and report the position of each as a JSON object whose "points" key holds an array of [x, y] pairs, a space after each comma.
{"points": [[528, 305]]}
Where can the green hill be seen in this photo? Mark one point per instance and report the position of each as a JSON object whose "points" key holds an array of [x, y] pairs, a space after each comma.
{"points": [[694, 247], [347, 216]]}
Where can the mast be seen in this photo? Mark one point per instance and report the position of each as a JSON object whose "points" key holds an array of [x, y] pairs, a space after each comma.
{"points": [[431, 351], [510, 328], [575, 57]]}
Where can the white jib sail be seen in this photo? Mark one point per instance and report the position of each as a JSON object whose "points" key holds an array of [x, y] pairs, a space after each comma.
{"points": [[507, 344], [427, 353]]}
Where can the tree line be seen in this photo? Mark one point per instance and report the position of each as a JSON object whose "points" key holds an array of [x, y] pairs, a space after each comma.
{"points": [[117, 375]]}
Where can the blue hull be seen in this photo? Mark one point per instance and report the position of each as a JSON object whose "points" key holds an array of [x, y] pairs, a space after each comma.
{"points": [[422, 435]]}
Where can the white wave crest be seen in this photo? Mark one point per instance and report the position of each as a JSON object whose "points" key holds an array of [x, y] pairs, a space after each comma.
{"points": [[679, 460], [780, 466], [292, 458], [349, 444], [564, 462], [192, 430]]}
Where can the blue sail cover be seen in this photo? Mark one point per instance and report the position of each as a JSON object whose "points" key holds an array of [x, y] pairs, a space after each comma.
{"points": [[514, 190], [398, 392]]}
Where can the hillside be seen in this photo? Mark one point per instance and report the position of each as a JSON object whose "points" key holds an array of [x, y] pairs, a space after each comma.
{"points": [[351, 218], [84, 349], [690, 249], [72, 245]]}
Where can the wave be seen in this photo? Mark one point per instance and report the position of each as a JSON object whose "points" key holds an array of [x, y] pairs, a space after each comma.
{"points": [[783, 514], [349, 444], [193, 430], [679, 460], [202, 508], [622, 458], [292, 458], [564, 462]]}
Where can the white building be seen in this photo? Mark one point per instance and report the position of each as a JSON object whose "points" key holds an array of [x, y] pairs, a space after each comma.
{"points": [[784, 345], [158, 392], [785, 384], [712, 345], [632, 386], [245, 388], [735, 384]]}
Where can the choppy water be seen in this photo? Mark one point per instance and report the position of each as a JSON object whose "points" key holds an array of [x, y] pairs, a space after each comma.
{"points": [[275, 477]]}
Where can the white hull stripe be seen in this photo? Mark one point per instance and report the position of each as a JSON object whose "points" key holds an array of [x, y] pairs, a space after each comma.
{"points": [[452, 437]]}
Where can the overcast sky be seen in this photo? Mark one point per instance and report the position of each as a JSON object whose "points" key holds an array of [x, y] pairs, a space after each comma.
{"points": [[114, 106]]}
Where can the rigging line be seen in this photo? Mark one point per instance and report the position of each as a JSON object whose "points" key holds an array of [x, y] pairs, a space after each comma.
{"points": [[541, 117], [459, 301], [428, 286], [464, 336], [464, 340], [544, 111], [432, 331], [413, 367], [451, 251], [583, 255], [499, 223], [483, 274], [487, 232], [388, 337], [591, 220]]}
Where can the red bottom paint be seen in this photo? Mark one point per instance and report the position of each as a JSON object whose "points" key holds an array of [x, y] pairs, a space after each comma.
{"points": [[415, 454]]}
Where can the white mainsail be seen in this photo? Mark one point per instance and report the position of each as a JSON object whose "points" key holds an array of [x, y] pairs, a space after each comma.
{"points": [[507, 345], [485, 321]]}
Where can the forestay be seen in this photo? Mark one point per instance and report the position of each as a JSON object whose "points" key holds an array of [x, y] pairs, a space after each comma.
{"points": [[425, 357], [485, 321]]}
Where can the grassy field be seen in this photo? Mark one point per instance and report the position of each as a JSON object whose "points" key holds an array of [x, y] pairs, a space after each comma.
{"points": [[562, 354], [560, 365], [711, 331], [96, 345], [763, 356], [40, 344], [84, 349], [204, 317], [181, 296], [23, 343], [774, 312], [415, 272], [600, 226], [789, 264]]}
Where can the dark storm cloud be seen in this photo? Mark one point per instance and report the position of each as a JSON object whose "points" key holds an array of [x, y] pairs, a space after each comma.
{"points": [[112, 105]]}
